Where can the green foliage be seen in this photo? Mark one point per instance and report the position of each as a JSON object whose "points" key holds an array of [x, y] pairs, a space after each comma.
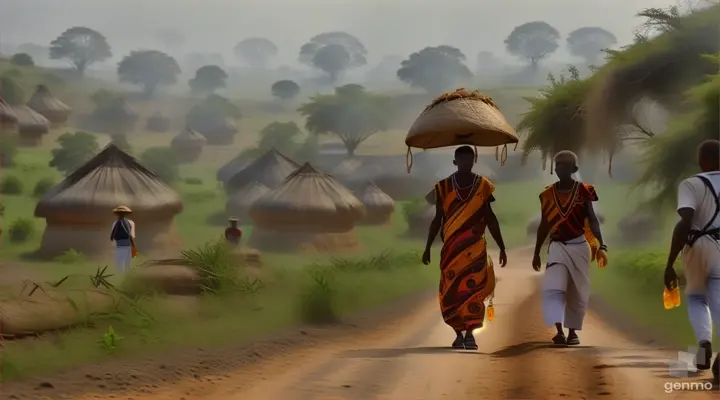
{"points": [[208, 79], [163, 161], [556, 118], [352, 114], [71, 257], [2, 209], [308, 150], [11, 92], [533, 41], [81, 46], [414, 206], [110, 340], [193, 181], [75, 150], [200, 197], [103, 98], [43, 186], [8, 151], [435, 69], [22, 60], [149, 69], [21, 230], [646, 268], [285, 89], [280, 135], [11, 185], [212, 108]]}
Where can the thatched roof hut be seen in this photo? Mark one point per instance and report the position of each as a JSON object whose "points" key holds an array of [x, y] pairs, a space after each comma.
{"points": [[31, 126], [270, 170], [310, 211], [49, 106], [158, 122], [218, 130], [239, 201], [379, 207], [78, 210], [188, 144], [8, 118]]}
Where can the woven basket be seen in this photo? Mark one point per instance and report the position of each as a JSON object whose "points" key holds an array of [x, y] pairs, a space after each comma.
{"points": [[466, 118]]}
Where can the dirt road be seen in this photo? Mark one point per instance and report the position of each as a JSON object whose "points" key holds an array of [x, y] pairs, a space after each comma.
{"points": [[410, 360]]}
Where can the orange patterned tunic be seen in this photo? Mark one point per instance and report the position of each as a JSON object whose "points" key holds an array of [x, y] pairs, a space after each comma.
{"points": [[467, 276]]}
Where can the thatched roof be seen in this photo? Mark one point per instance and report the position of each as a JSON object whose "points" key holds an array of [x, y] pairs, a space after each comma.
{"points": [[232, 167], [308, 196], [48, 105], [240, 201], [270, 170], [7, 115], [375, 200], [188, 137], [109, 179], [30, 121]]}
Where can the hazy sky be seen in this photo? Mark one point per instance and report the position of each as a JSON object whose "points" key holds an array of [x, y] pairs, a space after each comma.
{"points": [[385, 27]]}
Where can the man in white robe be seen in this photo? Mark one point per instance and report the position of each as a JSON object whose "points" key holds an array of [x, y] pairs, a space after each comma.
{"points": [[123, 234], [697, 236]]}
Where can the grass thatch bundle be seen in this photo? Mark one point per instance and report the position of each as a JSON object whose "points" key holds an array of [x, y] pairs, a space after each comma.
{"points": [[462, 93]]}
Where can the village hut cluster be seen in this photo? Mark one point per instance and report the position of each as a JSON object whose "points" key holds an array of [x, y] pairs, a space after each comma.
{"points": [[31, 121]]}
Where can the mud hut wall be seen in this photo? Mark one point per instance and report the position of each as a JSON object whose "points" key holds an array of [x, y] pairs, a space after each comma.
{"points": [[287, 241], [153, 236]]}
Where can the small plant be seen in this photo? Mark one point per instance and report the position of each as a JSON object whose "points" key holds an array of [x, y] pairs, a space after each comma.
{"points": [[43, 186], [193, 181], [110, 340], [11, 185], [21, 230], [317, 302], [71, 256]]}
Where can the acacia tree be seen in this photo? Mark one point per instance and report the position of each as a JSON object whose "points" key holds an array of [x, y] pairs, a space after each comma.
{"points": [[81, 46], [351, 113], [588, 43], [333, 53], [435, 69], [256, 51], [285, 89], [149, 69], [208, 79], [533, 42]]}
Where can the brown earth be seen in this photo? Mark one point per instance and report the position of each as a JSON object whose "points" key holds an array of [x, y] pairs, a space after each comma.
{"points": [[400, 355]]}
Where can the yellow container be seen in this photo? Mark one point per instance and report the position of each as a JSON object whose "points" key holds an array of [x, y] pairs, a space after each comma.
{"points": [[671, 297], [491, 312]]}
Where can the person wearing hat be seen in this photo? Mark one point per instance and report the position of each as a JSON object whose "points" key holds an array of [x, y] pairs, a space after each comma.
{"points": [[123, 234], [233, 234]]}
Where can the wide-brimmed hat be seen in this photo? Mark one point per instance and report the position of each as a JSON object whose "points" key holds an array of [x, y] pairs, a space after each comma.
{"points": [[122, 209], [233, 219]]}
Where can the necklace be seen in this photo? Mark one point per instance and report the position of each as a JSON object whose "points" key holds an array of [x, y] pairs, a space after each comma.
{"points": [[458, 188]]}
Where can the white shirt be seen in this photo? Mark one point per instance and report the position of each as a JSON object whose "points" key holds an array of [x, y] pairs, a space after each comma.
{"points": [[692, 193], [132, 227]]}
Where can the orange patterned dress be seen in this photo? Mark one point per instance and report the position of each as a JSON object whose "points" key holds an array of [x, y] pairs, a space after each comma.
{"points": [[467, 278]]}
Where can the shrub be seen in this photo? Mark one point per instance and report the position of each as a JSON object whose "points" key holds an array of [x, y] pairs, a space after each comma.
{"points": [[201, 196], [193, 181], [75, 150], [162, 161], [8, 151], [645, 267], [21, 230], [43, 186], [414, 206], [71, 256], [317, 302], [11, 185], [22, 60]]}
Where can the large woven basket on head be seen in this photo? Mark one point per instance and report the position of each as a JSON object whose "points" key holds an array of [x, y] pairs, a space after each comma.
{"points": [[461, 118]]}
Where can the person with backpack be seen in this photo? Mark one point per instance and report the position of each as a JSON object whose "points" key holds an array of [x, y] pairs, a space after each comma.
{"points": [[123, 234], [697, 236]]}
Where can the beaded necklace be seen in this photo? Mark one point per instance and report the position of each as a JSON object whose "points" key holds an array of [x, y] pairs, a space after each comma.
{"points": [[458, 188]]}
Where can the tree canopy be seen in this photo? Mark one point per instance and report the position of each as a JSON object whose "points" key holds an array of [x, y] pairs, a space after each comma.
{"points": [[435, 69], [22, 60], [75, 150], [149, 69], [351, 113], [81, 46], [588, 43], [533, 41], [256, 51], [285, 89], [208, 79], [333, 53]]}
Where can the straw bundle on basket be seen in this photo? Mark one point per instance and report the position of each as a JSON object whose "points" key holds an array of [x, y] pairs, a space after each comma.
{"points": [[309, 211], [49, 106], [8, 118], [51, 309], [31, 126], [188, 145], [379, 206]]}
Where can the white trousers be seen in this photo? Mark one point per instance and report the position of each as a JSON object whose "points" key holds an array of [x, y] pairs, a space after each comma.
{"points": [[123, 259], [566, 287]]}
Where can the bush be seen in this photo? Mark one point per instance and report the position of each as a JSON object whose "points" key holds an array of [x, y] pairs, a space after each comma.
{"points": [[11, 185], [8, 151], [193, 181], [71, 256], [644, 267], [201, 196], [162, 161], [21, 230], [317, 302], [414, 206], [43, 186], [22, 60], [75, 150]]}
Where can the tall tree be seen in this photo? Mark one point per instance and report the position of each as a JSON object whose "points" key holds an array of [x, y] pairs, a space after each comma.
{"points": [[256, 51], [81, 46], [149, 69], [533, 42], [333, 59], [352, 113], [323, 52], [208, 79], [435, 69], [588, 43], [285, 89]]}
